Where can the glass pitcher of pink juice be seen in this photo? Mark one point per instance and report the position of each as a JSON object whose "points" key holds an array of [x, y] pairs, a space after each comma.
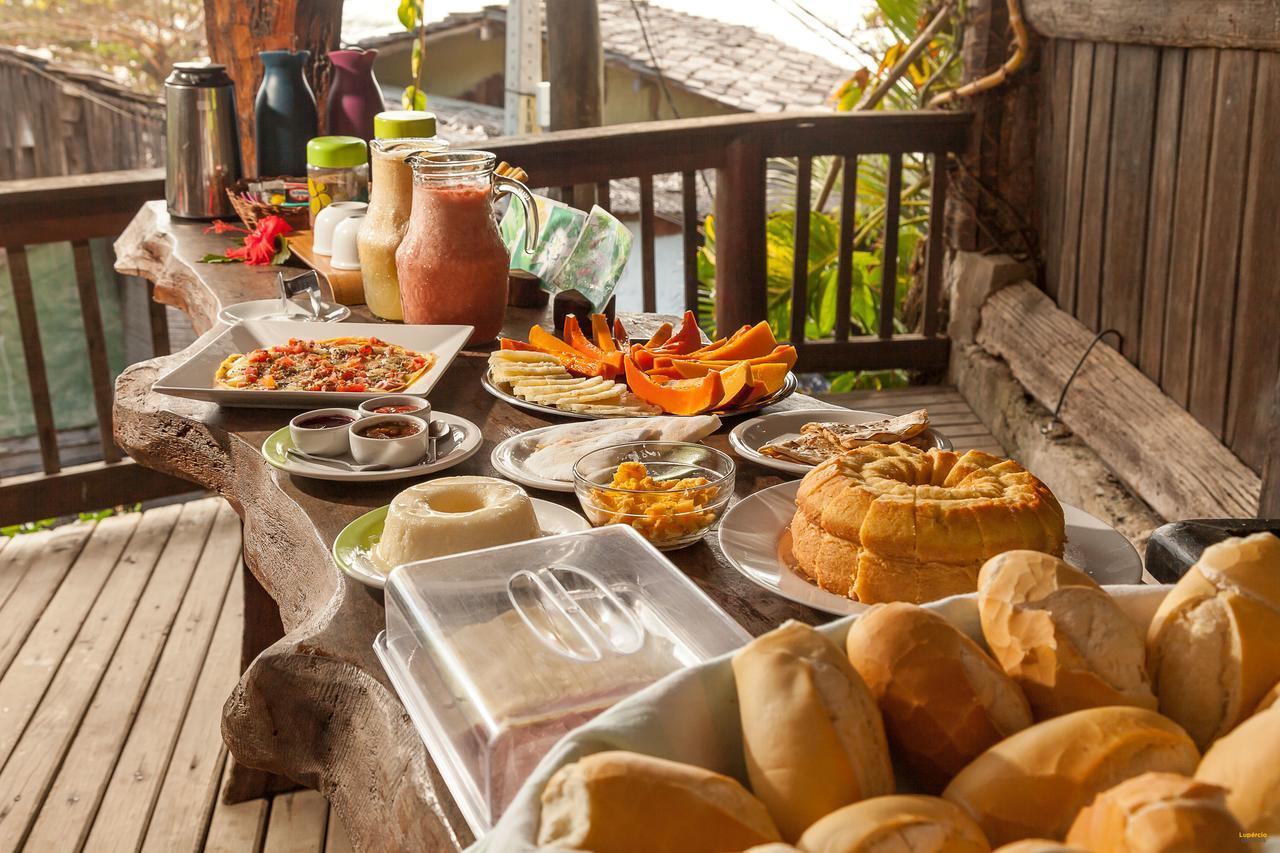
{"points": [[452, 265]]}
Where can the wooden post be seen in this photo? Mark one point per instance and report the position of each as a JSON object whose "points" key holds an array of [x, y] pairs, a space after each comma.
{"points": [[237, 30], [523, 67], [740, 212], [1269, 506], [576, 72]]}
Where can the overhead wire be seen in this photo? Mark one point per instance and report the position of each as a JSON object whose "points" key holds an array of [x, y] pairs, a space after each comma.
{"points": [[662, 79]]}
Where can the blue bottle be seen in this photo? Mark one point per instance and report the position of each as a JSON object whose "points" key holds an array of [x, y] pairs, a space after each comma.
{"points": [[284, 114]]}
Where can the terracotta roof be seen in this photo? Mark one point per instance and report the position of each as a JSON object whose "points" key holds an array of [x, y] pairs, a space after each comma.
{"points": [[734, 65]]}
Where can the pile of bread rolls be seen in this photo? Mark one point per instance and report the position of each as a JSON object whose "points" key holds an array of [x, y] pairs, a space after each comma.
{"points": [[1074, 733]]}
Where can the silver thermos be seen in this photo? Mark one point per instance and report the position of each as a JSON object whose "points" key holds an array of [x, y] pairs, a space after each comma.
{"points": [[203, 145]]}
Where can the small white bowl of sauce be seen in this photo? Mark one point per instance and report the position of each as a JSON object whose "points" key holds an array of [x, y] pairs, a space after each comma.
{"points": [[396, 404], [393, 439], [323, 432]]}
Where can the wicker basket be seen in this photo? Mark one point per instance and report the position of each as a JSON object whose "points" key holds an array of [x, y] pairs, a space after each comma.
{"points": [[299, 218]]}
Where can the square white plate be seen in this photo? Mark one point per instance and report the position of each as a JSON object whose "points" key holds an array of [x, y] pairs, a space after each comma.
{"points": [[194, 377]]}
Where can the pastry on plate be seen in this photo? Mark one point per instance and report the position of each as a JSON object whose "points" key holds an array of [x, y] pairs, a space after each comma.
{"points": [[891, 522], [820, 440]]}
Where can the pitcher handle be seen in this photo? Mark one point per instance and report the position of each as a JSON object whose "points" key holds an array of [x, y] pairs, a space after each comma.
{"points": [[510, 186]]}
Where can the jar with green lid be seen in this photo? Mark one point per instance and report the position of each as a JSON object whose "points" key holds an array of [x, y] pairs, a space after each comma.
{"points": [[337, 170], [404, 124]]}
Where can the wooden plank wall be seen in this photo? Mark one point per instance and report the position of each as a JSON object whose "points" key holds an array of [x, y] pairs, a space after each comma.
{"points": [[1157, 174], [62, 122]]}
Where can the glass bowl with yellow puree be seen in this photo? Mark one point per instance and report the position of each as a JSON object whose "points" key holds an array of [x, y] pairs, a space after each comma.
{"points": [[671, 492]]}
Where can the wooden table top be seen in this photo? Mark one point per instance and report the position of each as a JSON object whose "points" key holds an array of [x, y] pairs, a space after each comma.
{"points": [[315, 704]]}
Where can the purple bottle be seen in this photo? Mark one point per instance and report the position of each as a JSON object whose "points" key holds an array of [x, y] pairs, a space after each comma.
{"points": [[354, 96]]}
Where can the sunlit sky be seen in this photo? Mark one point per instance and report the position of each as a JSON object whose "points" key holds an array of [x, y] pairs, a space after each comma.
{"points": [[828, 28]]}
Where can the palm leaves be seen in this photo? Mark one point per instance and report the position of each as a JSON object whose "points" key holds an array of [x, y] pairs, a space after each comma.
{"points": [[934, 67]]}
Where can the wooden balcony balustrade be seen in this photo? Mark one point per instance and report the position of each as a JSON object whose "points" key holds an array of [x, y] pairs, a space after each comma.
{"points": [[78, 208], [75, 209], [737, 148]]}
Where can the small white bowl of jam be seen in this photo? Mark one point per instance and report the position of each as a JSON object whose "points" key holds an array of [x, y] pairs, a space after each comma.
{"points": [[323, 432], [396, 404], [394, 440]]}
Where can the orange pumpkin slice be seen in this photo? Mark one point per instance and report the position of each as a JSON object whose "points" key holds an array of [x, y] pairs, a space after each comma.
{"points": [[737, 384], [572, 360], [687, 398], [755, 342]]}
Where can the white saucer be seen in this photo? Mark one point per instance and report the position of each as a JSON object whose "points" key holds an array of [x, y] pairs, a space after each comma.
{"points": [[751, 531], [749, 436], [465, 441], [351, 550], [271, 309], [509, 456]]}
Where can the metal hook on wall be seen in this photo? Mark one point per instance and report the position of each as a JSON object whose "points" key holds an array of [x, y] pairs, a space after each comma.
{"points": [[1054, 428]]}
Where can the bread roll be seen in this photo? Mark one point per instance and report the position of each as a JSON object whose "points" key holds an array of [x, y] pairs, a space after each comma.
{"points": [[1269, 699], [1032, 784], [1246, 762], [812, 734], [893, 824], [1065, 640], [943, 699], [621, 802], [1213, 648], [1157, 813], [1038, 845]]}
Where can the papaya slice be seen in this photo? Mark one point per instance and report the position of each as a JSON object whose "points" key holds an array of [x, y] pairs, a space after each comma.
{"points": [[758, 340], [573, 361], [642, 357], [771, 374], [684, 341], [573, 337], [620, 336], [508, 343], [659, 337], [720, 342], [737, 384], [686, 398], [758, 392], [783, 354], [600, 332], [692, 369]]}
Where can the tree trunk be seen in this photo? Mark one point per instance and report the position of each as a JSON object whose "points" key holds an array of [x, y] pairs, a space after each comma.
{"points": [[576, 71], [238, 29]]}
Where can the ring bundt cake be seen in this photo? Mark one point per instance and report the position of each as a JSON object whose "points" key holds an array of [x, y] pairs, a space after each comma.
{"points": [[890, 522]]}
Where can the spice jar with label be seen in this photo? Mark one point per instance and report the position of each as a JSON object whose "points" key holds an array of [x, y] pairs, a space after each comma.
{"points": [[337, 170]]}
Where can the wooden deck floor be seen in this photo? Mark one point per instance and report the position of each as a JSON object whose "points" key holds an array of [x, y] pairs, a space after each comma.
{"points": [[119, 642], [948, 412]]}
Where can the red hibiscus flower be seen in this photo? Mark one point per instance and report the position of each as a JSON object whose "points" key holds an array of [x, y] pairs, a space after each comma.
{"points": [[264, 245]]}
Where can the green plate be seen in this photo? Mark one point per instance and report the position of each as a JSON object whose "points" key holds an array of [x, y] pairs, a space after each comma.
{"points": [[353, 549]]}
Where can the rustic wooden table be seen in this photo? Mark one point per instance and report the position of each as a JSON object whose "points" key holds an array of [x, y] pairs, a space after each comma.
{"points": [[313, 704]]}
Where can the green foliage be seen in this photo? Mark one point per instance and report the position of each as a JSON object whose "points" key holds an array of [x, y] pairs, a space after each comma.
{"points": [[412, 18], [934, 68], [48, 523], [135, 42], [412, 99], [27, 527]]}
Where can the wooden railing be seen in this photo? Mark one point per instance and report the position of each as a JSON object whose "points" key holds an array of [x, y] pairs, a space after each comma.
{"points": [[75, 209], [737, 147]]}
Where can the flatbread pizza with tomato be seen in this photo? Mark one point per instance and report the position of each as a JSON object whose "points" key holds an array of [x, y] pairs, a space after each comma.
{"points": [[348, 365]]}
